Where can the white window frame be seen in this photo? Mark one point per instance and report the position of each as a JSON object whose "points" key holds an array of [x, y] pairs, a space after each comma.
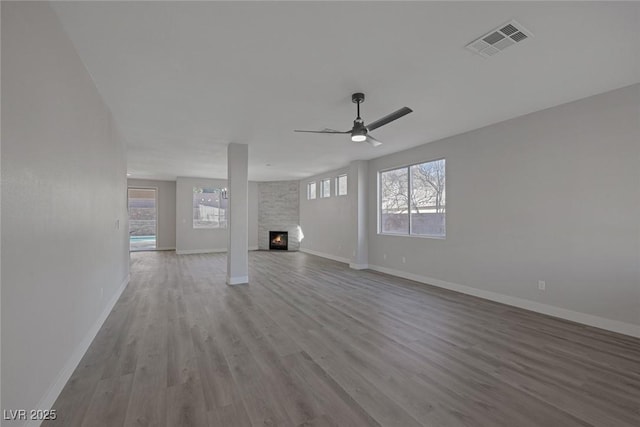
{"points": [[409, 188], [220, 224], [345, 176], [325, 184], [311, 196]]}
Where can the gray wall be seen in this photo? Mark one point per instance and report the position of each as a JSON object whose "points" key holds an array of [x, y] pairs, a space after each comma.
{"points": [[198, 240], [64, 217], [327, 223], [278, 210], [166, 210], [554, 196]]}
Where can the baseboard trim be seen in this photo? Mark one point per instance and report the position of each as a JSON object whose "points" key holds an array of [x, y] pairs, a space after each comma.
{"points": [[359, 266], [165, 249], [550, 310], [325, 255], [55, 389], [238, 280], [200, 251], [208, 251]]}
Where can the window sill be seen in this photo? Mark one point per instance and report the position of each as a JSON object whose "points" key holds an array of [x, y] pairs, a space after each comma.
{"points": [[420, 236]]}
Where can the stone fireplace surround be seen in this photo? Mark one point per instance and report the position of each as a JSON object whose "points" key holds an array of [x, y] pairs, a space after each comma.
{"points": [[279, 210]]}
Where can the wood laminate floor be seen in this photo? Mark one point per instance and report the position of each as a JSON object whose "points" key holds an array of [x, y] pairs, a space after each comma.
{"points": [[310, 342]]}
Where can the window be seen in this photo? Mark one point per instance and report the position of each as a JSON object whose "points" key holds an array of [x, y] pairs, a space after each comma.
{"points": [[341, 185], [413, 200], [209, 207], [325, 188], [311, 190], [143, 217]]}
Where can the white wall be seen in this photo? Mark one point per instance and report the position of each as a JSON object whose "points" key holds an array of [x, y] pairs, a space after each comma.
{"points": [[199, 240], [64, 259], [554, 196], [327, 223], [166, 210]]}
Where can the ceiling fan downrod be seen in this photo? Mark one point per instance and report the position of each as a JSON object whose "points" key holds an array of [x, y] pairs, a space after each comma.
{"points": [[357, 98]]}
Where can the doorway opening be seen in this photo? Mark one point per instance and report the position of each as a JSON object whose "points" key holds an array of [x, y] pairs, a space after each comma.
{"points": [[143, 218]]}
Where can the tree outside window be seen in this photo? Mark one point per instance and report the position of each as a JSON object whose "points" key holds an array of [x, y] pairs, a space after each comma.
{"points": [[413, 200]]}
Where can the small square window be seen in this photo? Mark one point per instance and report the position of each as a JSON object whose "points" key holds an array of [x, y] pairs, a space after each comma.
{"points": [[325, 188], [341, 185], [311, 191]]}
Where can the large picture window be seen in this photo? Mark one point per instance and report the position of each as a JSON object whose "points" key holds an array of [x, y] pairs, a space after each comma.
{"points": [[413, 200], [209, 207]]}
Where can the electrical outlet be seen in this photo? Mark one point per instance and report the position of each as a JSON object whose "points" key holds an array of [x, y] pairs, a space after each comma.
{"points": [[101, 293], [384, 256], [404, 260], [542, 285]]}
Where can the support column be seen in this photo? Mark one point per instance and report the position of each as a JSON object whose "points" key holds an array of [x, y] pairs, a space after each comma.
{"points": [[358, 173], [238, 214]]}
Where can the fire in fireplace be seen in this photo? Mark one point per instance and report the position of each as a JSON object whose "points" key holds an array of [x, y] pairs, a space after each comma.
{"points": [[278, 240]]}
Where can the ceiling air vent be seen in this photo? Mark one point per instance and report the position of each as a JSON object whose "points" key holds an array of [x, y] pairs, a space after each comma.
{"points": [[499, 39]]}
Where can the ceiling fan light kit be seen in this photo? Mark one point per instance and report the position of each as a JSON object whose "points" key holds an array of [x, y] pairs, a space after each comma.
{"points": [[360, 132]]}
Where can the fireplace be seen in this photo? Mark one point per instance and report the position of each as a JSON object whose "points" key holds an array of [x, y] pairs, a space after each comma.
{"points": [[278, 240]]}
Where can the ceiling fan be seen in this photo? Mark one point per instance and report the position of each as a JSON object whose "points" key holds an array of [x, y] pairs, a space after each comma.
{"points": [[360, 131]]}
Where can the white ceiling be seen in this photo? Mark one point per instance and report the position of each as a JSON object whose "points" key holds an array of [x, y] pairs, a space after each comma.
{"points": [[185, 79]]}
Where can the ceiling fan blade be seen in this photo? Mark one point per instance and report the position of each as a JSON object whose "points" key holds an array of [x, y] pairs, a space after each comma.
{"points": [[374, 142], [321, 131], [389, 118]]}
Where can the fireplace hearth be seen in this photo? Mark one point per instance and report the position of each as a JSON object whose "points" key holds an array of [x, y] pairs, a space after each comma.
{"points": [[278, 240]]}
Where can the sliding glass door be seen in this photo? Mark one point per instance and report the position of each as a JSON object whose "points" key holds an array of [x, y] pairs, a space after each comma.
{"points": [[143, 218]]}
